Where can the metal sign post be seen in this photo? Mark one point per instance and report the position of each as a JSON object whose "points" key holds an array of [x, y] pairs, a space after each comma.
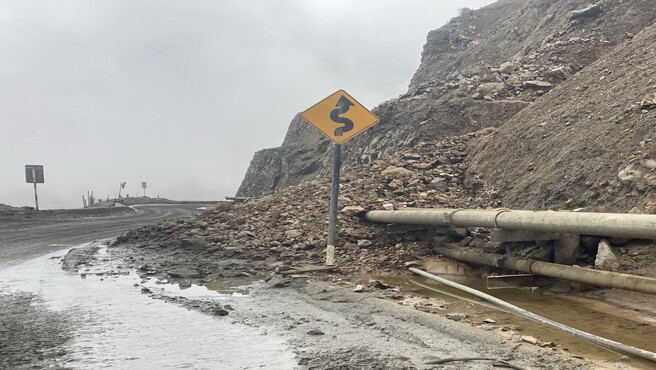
{"points": [[339, 117], [34, 175], [143, 186], [36, 198], [334, 195]]}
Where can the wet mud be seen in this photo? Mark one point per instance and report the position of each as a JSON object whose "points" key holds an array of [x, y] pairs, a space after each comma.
{"points": [[31, 335]]}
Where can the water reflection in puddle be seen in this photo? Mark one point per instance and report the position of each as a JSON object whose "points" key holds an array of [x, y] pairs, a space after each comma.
{"points": [[117, 327]]}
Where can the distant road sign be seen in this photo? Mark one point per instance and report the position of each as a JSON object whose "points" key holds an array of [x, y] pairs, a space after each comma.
{"points": [[34, 174], [143, 185], [340, 117]]}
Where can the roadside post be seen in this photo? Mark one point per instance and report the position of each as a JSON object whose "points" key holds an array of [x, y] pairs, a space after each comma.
{"points": [[121, 186], [34, 175], [339, 117], [143, 186]]}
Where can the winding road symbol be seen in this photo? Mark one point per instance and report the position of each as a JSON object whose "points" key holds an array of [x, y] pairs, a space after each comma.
{"points": [[343, 105], [339, 117]]}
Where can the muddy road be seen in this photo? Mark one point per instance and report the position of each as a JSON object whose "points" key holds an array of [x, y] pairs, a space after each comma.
{"points": [[111, 312], [25, 235], [32, 334]]}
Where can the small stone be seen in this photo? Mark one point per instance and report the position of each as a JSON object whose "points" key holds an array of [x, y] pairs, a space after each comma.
{"points": [[353, 210], [399, 171], [507, 68], [185, 284], [315, 332], [358, 288], [388, 206], [145, 290], [537, 84], [278, 283], [364, 243], [490, 88], [395, 184], [293, 234], [456, 316], [529, 339], [489, 321]]}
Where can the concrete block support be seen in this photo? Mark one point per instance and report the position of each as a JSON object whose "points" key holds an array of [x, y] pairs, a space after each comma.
{"points": [[566, 249]]}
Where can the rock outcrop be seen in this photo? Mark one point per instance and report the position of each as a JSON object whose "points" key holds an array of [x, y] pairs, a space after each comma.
{"points": [[481, 70]]}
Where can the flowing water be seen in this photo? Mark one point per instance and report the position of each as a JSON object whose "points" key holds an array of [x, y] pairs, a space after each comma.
{"points": [[637, 333], [118, 327]]}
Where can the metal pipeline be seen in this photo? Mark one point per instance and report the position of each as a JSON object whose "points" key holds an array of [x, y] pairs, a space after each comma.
{"points": [[621, 347], [639, 226], [598, 278]]}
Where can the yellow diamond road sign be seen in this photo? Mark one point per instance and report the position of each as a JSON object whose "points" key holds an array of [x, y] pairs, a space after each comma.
{"points": [[340, 117]]}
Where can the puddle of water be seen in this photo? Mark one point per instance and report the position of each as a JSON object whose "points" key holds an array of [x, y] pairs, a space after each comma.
{"points": [[572, 313], [117, 327]]}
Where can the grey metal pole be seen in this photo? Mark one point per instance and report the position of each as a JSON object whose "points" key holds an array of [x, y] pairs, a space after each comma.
{"points": [[334, 194], [36, 197]]}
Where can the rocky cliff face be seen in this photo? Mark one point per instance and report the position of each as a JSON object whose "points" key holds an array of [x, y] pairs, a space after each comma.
{"points": [[478, 71], [300, 157]]}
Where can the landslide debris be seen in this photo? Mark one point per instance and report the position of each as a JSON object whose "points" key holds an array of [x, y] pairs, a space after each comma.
{"points": [[286, 228], [590, 142], [571, 79]]}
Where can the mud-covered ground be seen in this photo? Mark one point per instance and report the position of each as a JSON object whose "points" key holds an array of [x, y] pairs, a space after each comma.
{"points": [[329, 326], [31, 336]]}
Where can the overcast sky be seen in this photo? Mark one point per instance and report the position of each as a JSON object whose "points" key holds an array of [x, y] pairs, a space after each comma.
{"points": [[181, 93]]}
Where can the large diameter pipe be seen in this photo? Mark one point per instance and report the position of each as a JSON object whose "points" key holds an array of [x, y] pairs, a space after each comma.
{"points": [[599, 278], [621, 347], [639, 226]]}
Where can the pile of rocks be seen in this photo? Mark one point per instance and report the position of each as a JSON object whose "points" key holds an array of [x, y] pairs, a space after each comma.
{"points": [[287, 228], [522, 79]]}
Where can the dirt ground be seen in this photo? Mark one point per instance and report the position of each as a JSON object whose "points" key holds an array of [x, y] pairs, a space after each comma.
{"points": [[31, 336], [381, 327], [329, 326]]}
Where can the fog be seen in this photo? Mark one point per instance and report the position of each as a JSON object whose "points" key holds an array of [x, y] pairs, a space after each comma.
{"points": [[180, 94]]}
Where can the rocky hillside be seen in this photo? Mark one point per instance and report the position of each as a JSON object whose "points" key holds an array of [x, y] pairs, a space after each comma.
{"points": [[481, 70], [590, 142]]}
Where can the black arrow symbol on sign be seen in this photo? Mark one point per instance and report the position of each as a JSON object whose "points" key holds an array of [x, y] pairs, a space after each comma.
{"points": [[343, 105]]}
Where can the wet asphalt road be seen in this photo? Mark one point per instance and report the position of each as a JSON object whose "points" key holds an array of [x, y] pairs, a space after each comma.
{"points": [[32, 336], [22, 238]]}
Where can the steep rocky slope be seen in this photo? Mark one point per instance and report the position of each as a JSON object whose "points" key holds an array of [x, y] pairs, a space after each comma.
{"points": [[589, 142], [477, 71]]}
